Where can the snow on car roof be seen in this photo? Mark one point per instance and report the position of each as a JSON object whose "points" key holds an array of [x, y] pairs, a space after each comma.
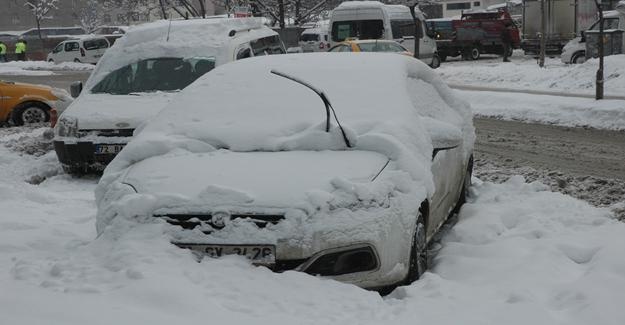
{"points": [[178, 38], [242, 106]]}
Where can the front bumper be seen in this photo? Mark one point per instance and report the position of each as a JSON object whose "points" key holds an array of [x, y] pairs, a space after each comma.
{"points": [[81, 156]]}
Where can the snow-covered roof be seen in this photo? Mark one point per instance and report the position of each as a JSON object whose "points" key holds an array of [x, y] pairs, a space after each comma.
{"points": [[178, 38]]}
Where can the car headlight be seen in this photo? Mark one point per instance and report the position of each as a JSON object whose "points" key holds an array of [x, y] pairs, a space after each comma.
{"points": [[66, 127]]}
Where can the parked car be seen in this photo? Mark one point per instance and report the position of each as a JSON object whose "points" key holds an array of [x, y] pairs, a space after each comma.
{"points": [[373, 20], [139, 75], [22, 103], [370, 46], [314, 40], [575, 50], [86, 50], [351, 182]]}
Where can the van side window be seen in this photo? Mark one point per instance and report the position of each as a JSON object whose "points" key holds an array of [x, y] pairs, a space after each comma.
{"points": [[267, 45], [244, 53], [71, 46], [360, 29], [58, 48], [401, 28]]}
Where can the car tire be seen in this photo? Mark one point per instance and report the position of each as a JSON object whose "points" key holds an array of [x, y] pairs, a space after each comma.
{"points": [[418, 261], [578, 57], [436, 61], [77, 60], [30, 113], [474, 53], [442, 56], [466, 185], [50, 60]]}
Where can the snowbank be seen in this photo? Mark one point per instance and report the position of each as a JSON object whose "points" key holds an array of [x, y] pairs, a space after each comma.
{"points": [[545, 109], [524, 73], [518, 255], [41, 68]]}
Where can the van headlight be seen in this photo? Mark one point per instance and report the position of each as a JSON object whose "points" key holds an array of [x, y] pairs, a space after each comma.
{"points": [[66, 127]]}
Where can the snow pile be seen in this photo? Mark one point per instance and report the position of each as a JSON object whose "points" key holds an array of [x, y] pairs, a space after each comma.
{"points": [[518, 255], [40, 68], [524, 73], [546, 109]]}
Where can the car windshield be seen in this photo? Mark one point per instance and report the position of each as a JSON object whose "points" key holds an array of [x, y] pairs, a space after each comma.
{"points": [[309, 38], [380, 47], [158, 74], [361, 29]]}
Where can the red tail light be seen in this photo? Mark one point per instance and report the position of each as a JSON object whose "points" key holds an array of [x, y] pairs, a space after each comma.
{"points": [[82, 51], [54, 117], [321, 46]]}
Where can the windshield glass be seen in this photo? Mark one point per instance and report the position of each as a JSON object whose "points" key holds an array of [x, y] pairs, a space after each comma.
{"points": [[158, 74], [608, 23], [360, 29], [381, 47], [95, 44], [309, 38], [401, 28]]}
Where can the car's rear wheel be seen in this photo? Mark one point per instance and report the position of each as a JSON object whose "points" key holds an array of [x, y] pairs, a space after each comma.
{"points": [[77, 60], [30, 113], [474, 53], [418, 262], [578, 58], [436, 61]]}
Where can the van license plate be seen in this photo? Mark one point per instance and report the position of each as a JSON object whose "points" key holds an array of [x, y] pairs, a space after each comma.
{"points": [[108, 148], [258, 254]]}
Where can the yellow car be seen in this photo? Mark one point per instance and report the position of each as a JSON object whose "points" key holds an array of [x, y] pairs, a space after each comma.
{"points": [[370, 46], [22, 103]]}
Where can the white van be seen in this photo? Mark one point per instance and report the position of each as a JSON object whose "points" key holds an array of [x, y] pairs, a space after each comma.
{"points": [[375, 20], [85, 50], [575, 50], [314, 40], [140, 74]]}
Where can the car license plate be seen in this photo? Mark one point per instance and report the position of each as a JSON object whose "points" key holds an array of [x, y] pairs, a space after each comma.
{"points": [[258, 254], [108, 148]]}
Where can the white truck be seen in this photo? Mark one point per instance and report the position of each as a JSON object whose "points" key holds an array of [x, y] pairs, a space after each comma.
{"points": [[565, 20], [374, 20], [575, 51]]}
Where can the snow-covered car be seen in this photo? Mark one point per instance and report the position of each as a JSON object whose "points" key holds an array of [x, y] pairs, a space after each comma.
{"points": [[138, 76], [264, 169], [87, 49]]}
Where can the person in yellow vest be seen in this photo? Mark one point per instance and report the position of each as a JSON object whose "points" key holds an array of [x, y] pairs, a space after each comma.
{"points": [[20, 50], [3, 52]]}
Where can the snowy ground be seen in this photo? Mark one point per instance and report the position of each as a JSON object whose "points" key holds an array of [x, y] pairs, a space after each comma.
{"points": [[519, 254], [41, 68], [523, 74]]}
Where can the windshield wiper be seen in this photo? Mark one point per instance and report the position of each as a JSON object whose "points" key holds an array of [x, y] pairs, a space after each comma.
{"points": [[325, 100]]}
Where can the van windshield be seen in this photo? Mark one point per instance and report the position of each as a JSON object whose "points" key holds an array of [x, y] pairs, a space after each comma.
{"points": [[157, 74], [360, 29]]}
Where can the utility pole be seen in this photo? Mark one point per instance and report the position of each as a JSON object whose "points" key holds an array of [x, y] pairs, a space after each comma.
{"points": [[599, 79], [281, 13], [417, 30], [543, 28]]}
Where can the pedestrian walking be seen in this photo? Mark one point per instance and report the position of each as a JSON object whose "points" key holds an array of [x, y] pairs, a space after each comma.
{"points": [[3, 52], [20, 50], [506, 41]]}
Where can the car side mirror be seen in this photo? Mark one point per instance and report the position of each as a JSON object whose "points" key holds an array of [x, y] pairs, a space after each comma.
{"points": [[444, 136], [75, 88], [583, 34]]}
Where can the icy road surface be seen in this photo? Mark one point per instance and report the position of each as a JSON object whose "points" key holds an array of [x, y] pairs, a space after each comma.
{"points": [[519, 254]]}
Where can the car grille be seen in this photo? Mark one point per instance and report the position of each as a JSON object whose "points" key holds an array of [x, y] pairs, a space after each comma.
{"points": [[190, 221], [108, 132]]}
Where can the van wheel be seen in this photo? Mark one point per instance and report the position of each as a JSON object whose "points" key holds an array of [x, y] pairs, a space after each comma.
{"points": [[579, 57], [77, 60], [51, 61], [30, 113], [418, 262], [474, 53], [436, 61]]}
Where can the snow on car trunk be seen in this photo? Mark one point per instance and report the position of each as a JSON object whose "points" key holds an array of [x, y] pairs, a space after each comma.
{"points": [[519, 254]]}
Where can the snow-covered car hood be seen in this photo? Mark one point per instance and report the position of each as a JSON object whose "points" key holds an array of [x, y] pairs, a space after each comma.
{"points": [[284, 179], [105, 111], [570, 48]]}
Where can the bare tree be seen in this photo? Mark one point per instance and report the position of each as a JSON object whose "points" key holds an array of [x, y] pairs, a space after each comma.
{"points": [[91, 15], [40, 10]]}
